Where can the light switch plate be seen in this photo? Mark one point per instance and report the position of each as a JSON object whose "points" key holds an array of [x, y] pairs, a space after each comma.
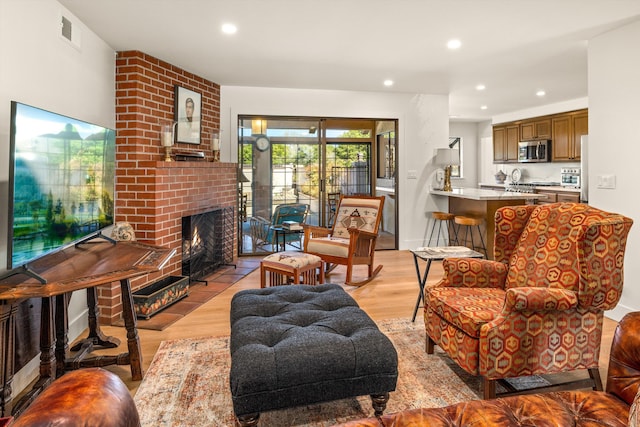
{"points": [[607, 181]]}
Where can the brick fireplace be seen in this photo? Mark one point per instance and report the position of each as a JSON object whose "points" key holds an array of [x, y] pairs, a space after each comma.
{"points": [[153, 195]]}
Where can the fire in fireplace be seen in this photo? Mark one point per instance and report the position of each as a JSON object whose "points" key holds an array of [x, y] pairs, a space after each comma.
{"points": [[207, 242]]}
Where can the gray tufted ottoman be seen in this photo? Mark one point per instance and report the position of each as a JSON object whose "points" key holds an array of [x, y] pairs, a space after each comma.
{"points": [[298, 345]]}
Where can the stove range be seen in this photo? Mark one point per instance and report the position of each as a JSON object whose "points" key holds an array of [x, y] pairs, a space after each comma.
{"points": [[520, 188], [528, 187]]}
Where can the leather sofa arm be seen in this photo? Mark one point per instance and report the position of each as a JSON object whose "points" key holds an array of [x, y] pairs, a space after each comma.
{"points": [[539, 299], [623, 375], [87, 397], [473, 272]]}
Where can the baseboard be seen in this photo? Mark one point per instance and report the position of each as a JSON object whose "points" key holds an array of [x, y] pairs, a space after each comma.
{"points": [[618, 312]]}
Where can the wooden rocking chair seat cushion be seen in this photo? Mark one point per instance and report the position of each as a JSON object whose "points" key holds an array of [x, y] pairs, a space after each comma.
{"points": [[329, 246]]}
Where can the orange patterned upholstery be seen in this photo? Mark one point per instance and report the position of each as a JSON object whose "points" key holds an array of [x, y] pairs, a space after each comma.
{"points": [[538, 308]]}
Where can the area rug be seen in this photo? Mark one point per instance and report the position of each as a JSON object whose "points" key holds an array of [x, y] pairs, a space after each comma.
{"points": [[187, 384]]}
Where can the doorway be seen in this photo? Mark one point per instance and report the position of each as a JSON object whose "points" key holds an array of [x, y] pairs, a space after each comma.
{"points": [[310, 162]]}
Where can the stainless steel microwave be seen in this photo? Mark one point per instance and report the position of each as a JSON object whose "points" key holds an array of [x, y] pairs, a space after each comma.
{"points": [[534, 151]]}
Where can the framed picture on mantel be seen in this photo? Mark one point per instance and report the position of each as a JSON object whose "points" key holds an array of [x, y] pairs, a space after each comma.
{"points": [[187, 113]]}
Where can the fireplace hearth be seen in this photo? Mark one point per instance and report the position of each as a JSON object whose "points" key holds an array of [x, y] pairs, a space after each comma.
{"points": [[207, 242]]}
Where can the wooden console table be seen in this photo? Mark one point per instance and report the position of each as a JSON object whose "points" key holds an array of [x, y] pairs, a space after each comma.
{"points": [[83, 266]]}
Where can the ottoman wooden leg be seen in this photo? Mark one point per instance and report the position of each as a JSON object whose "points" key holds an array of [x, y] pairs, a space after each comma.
{"points": [[250, 420], [379, 403], [321, 273]]}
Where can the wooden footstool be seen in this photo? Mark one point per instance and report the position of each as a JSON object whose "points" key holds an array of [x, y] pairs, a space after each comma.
{"points": [[291, 267], [300, 345]]}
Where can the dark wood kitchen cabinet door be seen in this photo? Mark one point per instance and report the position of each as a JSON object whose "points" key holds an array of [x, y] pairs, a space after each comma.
{"points": [[505, 143], [567, 130], [580, 124], [535, 129], [561, 145]]}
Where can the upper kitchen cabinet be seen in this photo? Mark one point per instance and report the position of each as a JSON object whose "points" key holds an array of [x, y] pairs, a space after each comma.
{"points": [[505, 143], [535, 129], [566, 132]]}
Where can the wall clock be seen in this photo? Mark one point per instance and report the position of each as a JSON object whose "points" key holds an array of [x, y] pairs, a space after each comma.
{"points": [[262, 143]]}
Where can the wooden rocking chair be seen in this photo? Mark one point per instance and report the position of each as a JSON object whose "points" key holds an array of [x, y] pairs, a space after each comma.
{"points": [[352, 238]]}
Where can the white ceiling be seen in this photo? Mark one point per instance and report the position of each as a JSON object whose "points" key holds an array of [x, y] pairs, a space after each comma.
{"points": [[514, 47]]}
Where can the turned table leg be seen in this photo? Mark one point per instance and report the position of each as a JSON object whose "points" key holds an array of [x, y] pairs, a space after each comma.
{"points": [[133, 340]]}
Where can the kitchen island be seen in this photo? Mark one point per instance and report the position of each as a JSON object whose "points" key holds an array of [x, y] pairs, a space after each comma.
{"points": [[483, 203]]}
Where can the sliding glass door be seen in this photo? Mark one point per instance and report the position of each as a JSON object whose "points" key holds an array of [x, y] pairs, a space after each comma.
{"points": [[307, 161]]}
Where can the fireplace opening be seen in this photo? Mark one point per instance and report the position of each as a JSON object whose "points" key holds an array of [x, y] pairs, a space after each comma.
{"points": [[207, 242]]}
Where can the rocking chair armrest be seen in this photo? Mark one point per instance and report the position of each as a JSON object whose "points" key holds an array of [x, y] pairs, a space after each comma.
{"points": [[473, 273], [361, 233], [539, 299], [315, 231]]}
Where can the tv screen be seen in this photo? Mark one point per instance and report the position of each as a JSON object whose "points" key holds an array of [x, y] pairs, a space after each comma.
{"points": [[61, 182]]}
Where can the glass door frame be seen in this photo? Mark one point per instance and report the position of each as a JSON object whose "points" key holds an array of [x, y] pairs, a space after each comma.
{"points": [[328, 135]]}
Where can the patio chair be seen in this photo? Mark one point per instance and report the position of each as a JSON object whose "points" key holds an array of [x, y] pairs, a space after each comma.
{"points": [[263, 231]]}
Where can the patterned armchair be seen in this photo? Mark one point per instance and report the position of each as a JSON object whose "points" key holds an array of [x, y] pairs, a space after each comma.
{"points": [[538, 308], [352, 239]]}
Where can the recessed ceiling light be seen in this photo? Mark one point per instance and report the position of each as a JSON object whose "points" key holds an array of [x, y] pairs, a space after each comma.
{"points": [[541, 93], [388, 82], [229, 28], [481, 87], [454, 44], [483, 107]]}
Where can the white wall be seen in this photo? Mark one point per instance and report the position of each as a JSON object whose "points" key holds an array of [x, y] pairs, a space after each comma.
{"points": [[423, 126], [614, 141], [41, 69]]}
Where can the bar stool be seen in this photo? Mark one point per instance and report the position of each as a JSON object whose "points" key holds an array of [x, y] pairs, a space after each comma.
{"points": [[468, 222], [438, 218]]}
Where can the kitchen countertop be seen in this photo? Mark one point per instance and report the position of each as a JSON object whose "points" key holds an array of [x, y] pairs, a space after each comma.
{"points": [[541, 187], [485, 194]]}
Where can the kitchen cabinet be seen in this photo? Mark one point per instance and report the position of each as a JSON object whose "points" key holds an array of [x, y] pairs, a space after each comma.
{"points": [[535, 129], [563, 129], [580, 124], [553, 196], [569, 197], [566, 132], [505, 143], [550, 197]]}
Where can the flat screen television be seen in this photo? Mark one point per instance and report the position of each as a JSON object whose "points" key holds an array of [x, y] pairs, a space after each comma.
{"points": [[61, 182]]}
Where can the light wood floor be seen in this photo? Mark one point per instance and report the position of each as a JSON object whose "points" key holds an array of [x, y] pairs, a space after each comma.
{"points": [[392, 294]]}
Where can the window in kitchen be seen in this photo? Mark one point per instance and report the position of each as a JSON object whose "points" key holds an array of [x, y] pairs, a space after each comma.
{"points": [[455, 142]]}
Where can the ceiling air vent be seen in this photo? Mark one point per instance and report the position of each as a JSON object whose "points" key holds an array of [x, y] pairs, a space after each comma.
{"points": [[69, 31]]}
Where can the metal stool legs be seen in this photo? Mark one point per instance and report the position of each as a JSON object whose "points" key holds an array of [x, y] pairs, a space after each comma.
{"points": [[469, 222], [439, 218]]}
